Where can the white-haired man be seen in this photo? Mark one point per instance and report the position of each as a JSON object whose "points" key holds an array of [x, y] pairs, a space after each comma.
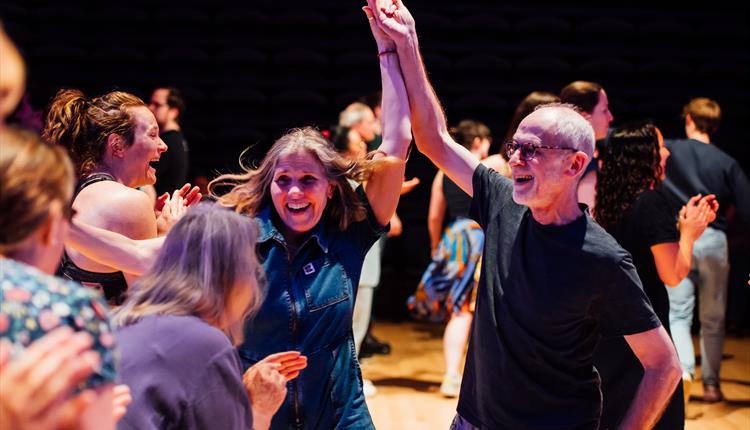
{"points": [[552, 281]]}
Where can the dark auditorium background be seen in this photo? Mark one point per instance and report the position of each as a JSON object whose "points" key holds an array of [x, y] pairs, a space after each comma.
{"points": [[250, 70]]}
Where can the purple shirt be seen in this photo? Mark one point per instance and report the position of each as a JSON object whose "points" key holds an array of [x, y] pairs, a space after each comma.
{"points": [[183, 374]]}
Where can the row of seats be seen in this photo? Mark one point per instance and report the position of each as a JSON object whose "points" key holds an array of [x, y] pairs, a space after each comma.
{"points": [[238, 61], [209, 26], [641, 24], [251, 70]]}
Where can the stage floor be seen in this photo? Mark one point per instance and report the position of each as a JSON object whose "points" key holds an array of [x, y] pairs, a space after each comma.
{"points": [[408, 382]]}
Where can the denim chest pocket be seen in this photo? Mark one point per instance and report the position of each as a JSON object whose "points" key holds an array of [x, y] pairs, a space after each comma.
{"points": [[325, 283]]}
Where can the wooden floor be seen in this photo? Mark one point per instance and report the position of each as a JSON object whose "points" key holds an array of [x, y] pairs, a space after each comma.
{"points": [[409, 378]]}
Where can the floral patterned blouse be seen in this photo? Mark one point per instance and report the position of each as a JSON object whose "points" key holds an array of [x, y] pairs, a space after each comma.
{"points": [[33, 303]]}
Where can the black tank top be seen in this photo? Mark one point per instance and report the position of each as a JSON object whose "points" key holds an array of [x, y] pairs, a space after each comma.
{"points": [[113, 284], [457, 202]]}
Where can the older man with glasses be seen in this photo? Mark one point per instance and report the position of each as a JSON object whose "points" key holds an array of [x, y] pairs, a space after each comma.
{"points": [[553, 281]]}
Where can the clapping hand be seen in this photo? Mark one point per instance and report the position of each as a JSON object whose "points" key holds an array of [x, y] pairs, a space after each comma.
{"points": [[169, 210], [695, 216]]}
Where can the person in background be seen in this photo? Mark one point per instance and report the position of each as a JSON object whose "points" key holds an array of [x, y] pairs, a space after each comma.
{"points": [[593, 103], [698, 166], [350, 144], [446, 290], [361, 119], [631, 206], [374, 100], [168, 106], [359, 132]]}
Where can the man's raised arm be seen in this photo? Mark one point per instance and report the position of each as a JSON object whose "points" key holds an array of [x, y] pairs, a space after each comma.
{"points": [[428, 120]]}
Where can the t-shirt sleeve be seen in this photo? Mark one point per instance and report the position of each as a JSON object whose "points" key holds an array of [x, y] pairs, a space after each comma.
{"points": [[491, 191], [222, 402], [626, 309], [366, 232], [658, 222]]}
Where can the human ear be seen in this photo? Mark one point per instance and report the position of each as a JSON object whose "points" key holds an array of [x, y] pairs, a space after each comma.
{"points": [[116, 143], [331, 187], [578, 163]]}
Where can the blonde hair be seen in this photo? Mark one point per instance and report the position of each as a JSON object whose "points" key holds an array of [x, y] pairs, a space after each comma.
{"points": [[706, 114], [83, 126], [251, 190], [32, 176], [197, 269]]}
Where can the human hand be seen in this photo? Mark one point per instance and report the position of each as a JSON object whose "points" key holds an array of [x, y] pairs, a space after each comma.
{"points": [[409, 185], [713, 204], [36, 385], [392, 17], [384, 43], [693, 217], [266, 388], [396, 227], [172, 210], [190, 196], [290, 363], [121, 401]]}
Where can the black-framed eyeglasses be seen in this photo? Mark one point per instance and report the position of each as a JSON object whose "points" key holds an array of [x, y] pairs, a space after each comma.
{"points": [[528, 150]]}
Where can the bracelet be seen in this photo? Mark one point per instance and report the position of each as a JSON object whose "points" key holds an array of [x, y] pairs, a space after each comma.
{"points": [[388, 51]]}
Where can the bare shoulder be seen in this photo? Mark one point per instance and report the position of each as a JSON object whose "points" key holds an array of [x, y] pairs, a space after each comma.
{"points": [[498, 164], [115, 207]]}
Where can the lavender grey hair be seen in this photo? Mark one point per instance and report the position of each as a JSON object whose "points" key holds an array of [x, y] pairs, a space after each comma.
{"points": [[204, 257]]}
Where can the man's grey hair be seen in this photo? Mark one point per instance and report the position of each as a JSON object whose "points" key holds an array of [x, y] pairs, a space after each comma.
{"points": [[353, 114], [572, 129]]}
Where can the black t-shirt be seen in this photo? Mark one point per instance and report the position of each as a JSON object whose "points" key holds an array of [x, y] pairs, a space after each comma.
{"points": [[172, 170], [649, 221], [546, 294], [695, 167], [457, 202]]}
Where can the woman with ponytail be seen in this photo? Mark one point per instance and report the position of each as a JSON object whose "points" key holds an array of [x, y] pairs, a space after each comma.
{"points": [[114, 143]]}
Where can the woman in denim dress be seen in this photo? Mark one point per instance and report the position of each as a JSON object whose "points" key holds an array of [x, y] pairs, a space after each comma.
{"points": [[314, 233]]}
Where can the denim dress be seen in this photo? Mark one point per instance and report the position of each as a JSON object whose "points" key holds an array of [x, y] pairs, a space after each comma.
{"points": [[308, 308]]}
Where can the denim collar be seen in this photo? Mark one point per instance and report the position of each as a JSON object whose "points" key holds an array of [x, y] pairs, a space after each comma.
{"points": [[269, 231]]}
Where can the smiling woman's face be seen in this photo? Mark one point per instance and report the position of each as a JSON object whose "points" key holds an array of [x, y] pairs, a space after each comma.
{"points": [[146, 149], [300, 191]]}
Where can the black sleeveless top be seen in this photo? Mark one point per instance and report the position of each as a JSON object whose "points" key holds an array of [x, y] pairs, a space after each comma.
{"points": [[113, 284], [457, 202]]}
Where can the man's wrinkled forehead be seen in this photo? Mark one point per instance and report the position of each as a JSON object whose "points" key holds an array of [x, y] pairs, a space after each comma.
{"points": [[535, 128]]}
